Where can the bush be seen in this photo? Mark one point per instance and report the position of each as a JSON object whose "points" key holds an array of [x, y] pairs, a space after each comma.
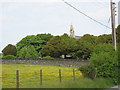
{"points": [[88, 71], [104, 58], [48, 57], [9, 57]]}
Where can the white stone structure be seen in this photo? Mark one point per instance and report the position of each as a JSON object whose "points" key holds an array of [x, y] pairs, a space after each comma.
{"points": [[72, 32]]}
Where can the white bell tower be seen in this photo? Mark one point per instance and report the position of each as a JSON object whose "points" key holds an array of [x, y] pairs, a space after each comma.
{"points": [[72, 32]]}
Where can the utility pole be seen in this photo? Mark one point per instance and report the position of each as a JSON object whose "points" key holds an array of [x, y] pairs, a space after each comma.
{"points": [[113, 23]]}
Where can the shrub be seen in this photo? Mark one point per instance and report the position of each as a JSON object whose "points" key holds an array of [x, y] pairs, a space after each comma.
{"points": [[48, 57], [104, 58], [9, 57], [88, 71]]}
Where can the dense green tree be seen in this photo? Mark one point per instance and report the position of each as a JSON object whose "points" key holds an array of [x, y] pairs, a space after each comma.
{"points": [[45, 37], [118, 47], [85, 46], [60, 45], [105, 59], [9, 50], [28, 52], [105, 38], [69, 45], [38, 41], [53, 47], [89, 38], [30, 40]]}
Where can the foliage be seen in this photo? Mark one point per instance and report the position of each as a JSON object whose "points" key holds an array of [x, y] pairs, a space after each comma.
{"points": [[53, 47], [9, 50], [48, 57], [9, 57], [118, 47], [84, 47], [28, 52], [59, 45], [104, 58], [89, 38], [105, 38], [45, 37], [103, 53], [38, 41], [88, 71]]}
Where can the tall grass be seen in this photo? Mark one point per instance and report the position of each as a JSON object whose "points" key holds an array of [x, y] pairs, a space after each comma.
{"points": [[84, 83]]}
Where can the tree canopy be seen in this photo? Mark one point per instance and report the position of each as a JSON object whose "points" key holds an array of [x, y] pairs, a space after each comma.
{"points": [[28, 52], [38, 41], [9, 50], [56, 46]]}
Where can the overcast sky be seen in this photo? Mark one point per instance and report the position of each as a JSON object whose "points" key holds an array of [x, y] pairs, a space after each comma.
{"points": [[19, 18]]}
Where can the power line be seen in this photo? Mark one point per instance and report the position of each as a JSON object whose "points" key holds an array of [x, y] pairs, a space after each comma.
{"points": [[108, 23], [85, 14]]}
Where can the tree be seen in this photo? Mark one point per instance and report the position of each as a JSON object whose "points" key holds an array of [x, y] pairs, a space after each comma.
{"points": [[118, 46], [69, 45], [84, 50], [89, 38], [85, 46], [105, 38], [45, 37], [53, 47], [38, 41], [9, 50], [28, 52], [30, 40], [105, 59], [59, 45]]}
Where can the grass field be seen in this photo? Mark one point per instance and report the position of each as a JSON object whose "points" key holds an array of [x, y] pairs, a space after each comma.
{"points": [[29, 75]]}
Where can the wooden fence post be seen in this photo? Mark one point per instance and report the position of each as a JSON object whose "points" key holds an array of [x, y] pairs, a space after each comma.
{"points": [[73, 74], [60, 75], [17, 78], [40, 76]]}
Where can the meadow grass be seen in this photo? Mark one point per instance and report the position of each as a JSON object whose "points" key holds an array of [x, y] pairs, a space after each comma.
{"points": [[29, 75], [100, 83]]}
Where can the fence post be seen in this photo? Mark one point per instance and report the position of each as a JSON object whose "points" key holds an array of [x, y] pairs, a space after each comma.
{"points": [[17, 78], [40, 76], [60, 75], [73, 74]]}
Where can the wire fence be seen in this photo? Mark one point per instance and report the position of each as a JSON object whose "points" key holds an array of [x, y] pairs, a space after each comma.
{"points": [[39, 78]]}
